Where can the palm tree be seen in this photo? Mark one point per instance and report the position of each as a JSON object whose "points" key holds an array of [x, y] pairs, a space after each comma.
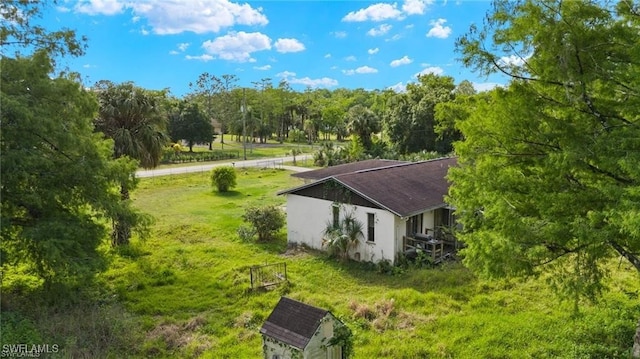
{"points": [[133, 118], [341, 237], [363, 122]]}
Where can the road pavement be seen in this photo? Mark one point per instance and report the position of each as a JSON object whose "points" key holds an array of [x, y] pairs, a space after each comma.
{"points": [[275, 162]]}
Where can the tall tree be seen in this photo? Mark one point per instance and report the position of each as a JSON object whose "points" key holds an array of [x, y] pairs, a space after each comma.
{"points": [[549, 176], [58, 175], [133, 118], [207, 87], [189, 123], [362, 123], [411, 125]]}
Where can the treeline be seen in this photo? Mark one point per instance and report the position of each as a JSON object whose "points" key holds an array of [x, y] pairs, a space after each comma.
{"points": [[385, 123]]}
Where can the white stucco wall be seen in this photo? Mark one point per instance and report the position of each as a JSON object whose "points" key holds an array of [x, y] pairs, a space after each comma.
{"points": [[308, 217]]}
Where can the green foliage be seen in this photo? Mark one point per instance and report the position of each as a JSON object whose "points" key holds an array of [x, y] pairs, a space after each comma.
{"points": [[342, 337], [549, 175], [363, 122], [340, 237], [172, 156], [223, 178], [450, 310], [266, 220], [246, 233], [19, 30], [133, 118], [410, 120], [189, 123], [58, 177]]}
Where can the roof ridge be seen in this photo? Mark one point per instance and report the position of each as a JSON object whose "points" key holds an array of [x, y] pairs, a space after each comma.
{"points": [[409, 163]]}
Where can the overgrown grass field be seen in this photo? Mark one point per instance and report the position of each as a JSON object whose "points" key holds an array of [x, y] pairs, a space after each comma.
{"points": [[184, 291]]}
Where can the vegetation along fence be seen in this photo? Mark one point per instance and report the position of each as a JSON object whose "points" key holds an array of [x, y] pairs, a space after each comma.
{"points": [[186, 157]]}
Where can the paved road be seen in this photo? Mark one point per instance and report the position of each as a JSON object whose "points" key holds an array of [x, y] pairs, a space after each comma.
{"points": [[263, 162]]}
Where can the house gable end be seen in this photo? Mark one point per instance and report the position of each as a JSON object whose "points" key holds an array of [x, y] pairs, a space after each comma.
{"points": [[334, 191]]}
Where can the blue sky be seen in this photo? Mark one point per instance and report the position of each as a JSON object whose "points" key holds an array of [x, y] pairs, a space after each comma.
{"points": [[329, 44]]}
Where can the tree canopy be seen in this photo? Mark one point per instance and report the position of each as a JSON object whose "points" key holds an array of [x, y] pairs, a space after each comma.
{"points": [[549, 168], [58, 175], [134, 119]]}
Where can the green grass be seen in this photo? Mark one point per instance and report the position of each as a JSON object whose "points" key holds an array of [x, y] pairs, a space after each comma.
{"points": [[185, 291]]}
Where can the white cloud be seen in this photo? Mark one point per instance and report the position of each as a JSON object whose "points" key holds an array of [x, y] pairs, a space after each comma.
{"points": [[204, 57], [174, 17], [262, 68], [513, 60], [327, 56], [100, 7], [183, 46], [174, 52], [379, 30], [238, 46], [375, 12], [415, 7], [399, 87], [410, 26], [430, 70], [350, 58], [321, 82], [485, 86], [393, 38], [360, 70], [340, 34], [405, 60], [289, 45], [438, 30], [285, 74], [373, 51]]}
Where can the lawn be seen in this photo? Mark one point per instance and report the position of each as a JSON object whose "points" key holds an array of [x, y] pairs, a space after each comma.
{"points": [[184, 292]]}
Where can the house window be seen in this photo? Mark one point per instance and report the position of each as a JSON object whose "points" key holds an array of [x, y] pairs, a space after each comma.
{"points": [[414, 225], [371, 221], [336, 216]]}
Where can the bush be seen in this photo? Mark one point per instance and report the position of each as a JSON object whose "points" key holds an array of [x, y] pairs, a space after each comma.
{"points": [[265, 220], [223, 178]]}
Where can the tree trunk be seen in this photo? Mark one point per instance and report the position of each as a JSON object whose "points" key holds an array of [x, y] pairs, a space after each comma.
{"points": [[635, 353], [121, 227]]}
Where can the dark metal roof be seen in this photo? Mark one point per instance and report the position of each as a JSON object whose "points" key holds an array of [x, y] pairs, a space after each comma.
{"points": [[293, 322], [404, 189], [346, 168]]}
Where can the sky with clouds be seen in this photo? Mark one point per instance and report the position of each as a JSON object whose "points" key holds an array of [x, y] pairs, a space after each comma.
{"points": [[320, 44]]}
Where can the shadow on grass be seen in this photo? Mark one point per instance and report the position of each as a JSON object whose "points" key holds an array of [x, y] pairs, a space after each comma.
{"points": [[450, 277], [228, 194]]}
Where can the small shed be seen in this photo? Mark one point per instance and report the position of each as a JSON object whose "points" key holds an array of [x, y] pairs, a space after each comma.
{"points": [[298, 330]]}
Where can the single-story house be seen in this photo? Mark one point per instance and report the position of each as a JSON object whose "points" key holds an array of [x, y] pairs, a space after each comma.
{"points": [[298, 330], [400, 204]]}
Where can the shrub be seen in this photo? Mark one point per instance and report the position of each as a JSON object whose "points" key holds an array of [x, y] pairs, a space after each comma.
{"points": [[246, 233], [265, 220], [223, 178]]}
